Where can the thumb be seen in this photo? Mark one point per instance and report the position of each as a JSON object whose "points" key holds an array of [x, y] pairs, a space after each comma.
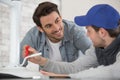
{"points": [[32, 50]]}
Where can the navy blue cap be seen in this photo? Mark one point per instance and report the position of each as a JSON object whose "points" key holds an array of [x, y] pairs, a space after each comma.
{"points": [[101, 15]]}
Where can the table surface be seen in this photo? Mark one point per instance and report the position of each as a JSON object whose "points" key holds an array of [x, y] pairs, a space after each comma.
{"points": [[42, 79], [62, 79]]}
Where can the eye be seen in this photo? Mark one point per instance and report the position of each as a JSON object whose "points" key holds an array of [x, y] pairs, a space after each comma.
{"points": [[48, 26], [57, 21]]}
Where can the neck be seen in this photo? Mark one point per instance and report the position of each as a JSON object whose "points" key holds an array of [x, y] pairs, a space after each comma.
{"points": [[53, 40], [109, 41]]}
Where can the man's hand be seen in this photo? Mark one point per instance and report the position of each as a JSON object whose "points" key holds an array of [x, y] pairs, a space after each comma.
{"points": [[54, 75], [27, 50]]}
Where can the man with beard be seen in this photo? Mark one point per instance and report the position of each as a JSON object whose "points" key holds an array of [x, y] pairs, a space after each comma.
{"points": [[56, 38]]}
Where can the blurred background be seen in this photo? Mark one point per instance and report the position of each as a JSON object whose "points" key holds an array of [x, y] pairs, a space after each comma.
{"points": [[16, 19]]}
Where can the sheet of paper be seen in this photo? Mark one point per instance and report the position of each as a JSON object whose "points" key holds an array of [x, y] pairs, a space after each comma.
{"points": [[20, 72]]}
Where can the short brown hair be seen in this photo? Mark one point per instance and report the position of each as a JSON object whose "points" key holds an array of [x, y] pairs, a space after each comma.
{"points": [[44, 9]]}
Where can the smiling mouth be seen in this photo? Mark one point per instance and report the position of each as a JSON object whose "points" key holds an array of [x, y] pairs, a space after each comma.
{"points": [[57, 32]]}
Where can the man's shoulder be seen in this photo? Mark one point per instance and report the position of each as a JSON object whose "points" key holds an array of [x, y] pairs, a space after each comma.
{"points": [[33, 29], [71, 24], [68, 25], [68, 22], [72, 27], [34, 32]]}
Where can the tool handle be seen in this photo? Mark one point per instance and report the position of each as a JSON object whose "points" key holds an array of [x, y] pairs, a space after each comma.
{"points": [[26, 50]]}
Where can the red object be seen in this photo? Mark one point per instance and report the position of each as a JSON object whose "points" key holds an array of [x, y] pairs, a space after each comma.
{"points": [[26, 50]]}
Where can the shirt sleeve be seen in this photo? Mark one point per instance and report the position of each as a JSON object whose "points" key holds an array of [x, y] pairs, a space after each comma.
{"points": [[82, 63], [110, 72]]}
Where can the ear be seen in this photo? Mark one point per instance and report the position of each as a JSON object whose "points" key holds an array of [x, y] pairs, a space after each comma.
{"points": [[40, 29], [103, 32]]}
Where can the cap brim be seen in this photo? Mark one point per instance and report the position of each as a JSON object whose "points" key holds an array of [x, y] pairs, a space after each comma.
{"points": [[81, 21]]}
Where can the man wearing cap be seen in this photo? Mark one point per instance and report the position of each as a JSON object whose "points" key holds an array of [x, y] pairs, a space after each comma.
{"points": [[102, 60]]}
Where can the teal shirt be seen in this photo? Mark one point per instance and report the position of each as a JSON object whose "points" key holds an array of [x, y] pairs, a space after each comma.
{"points": [[74, 42]]}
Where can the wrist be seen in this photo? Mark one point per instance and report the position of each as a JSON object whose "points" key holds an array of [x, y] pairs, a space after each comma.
{"points": [[42, 61]]}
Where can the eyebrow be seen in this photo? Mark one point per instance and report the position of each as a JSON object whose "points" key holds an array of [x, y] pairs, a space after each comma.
{"points": [[50, 24]]}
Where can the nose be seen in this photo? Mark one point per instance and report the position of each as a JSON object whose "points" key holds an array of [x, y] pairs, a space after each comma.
{"points": [[55, 27]]}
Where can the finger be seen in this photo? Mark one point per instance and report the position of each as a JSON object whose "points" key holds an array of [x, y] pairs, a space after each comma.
{"points": [[44, 72], [32, 60], [32, 50]]}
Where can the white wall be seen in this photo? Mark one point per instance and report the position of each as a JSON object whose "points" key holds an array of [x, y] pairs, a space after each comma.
{"points": [[72, 8]]}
